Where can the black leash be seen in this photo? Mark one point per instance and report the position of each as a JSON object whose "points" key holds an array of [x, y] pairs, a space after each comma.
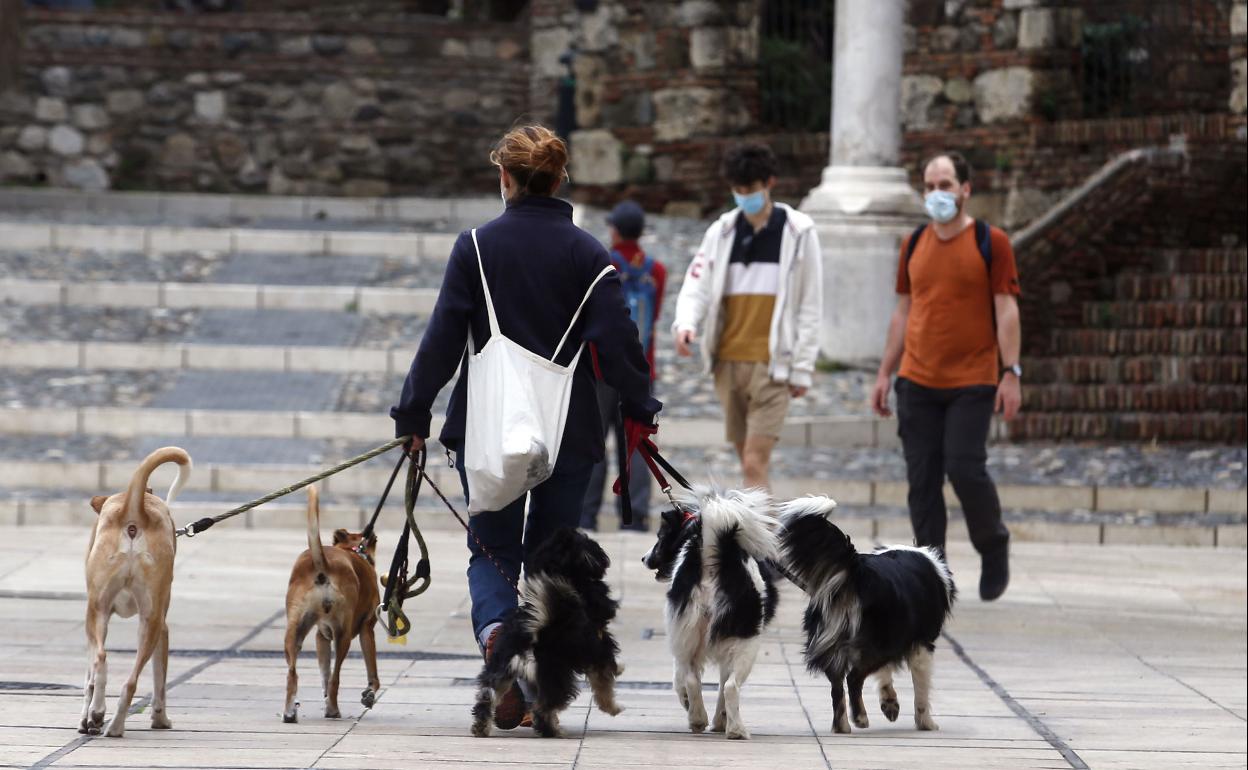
{"points": [[621, 456], [398, 587], [654, 460]]}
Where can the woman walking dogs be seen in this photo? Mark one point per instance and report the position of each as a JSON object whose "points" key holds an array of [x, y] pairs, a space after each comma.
{"points": [[538, 282]]}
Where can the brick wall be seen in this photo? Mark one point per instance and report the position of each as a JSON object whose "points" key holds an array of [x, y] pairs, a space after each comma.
{"points": [[282, 103], [1134, 307]]}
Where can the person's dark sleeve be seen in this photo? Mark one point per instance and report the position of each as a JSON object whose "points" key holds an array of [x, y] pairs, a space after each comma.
{"points": [[620, 355], [442, 345]]}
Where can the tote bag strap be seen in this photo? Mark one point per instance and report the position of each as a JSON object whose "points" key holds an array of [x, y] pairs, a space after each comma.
{"points": [[485, 287], [605, 271]]}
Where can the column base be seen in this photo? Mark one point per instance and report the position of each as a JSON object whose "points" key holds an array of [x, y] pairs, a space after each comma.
{"points": [[863, 190], [862, 215]]}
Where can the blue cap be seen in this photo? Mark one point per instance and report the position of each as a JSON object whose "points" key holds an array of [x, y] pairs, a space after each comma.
{"points": [[628, 218]]}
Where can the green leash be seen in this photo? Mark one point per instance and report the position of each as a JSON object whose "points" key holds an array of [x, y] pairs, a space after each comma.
{"points": [[193, 529]]}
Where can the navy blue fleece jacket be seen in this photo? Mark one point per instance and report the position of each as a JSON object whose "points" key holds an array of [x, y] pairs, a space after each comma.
{"points": [[538, 265]]}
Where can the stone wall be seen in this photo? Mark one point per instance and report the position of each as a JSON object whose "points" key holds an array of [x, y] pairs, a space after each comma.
{"points": [[1000, 80], [261, 102], [660, 89]]}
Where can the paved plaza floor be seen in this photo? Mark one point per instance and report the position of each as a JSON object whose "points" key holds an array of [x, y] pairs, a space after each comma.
{"points": [[1098, 656]]}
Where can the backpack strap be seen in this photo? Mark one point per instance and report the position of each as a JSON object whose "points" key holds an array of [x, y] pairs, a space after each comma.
{"points": [[983, 239], [605, 272], [914, 242]]}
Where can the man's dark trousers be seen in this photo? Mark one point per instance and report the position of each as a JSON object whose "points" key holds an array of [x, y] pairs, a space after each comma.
{"points": [[944, 432], [639, 478]]}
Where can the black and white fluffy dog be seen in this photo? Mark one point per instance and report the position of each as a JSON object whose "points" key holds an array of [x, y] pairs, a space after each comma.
{"points": [[558, 631], [715, 552], [868, 613]]}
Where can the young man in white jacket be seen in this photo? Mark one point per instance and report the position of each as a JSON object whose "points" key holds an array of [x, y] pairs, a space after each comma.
{"points": [[753, 300]]}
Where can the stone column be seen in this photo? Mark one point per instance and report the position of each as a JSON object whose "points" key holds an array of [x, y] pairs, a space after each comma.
{"points": [[865, 204]]}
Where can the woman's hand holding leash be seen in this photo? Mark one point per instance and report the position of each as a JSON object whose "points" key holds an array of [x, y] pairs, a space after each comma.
{"points": [[413, 444]]}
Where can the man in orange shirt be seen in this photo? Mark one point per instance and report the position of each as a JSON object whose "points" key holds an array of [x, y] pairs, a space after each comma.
{"points": [[955, 332]]}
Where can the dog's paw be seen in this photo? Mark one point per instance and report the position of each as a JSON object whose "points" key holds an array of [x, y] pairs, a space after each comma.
{"points": [[841, 726], [738, 734], [160, 721], [860, 721], [333, 713], [291, 718], [481, 728], [115, 730], [891, 708], [368, 698], [697, 726], [925, 722]]}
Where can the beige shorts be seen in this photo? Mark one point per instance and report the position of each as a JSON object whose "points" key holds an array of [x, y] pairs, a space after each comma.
{"points": [[754, 405]]}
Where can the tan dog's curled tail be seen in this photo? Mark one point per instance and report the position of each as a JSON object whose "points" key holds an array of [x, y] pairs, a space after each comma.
{"points": [[138, 483], [314, 532]]}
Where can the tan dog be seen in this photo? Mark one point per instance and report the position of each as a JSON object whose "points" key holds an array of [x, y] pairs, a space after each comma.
{"points": [[333, 590], [130, 569]]}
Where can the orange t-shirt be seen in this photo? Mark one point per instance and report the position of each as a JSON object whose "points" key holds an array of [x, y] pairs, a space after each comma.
{"points": [[951, 339]]}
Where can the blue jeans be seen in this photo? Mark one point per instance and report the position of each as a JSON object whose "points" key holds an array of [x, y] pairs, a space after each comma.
{"points": [[510, 538]]}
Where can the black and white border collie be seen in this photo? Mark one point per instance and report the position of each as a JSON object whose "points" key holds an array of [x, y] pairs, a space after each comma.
{"points": [[715, 552], [868, 613], [558, 631]]}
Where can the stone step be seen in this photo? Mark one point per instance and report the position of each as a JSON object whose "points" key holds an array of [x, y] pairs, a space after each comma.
{"points": [[1211, 427], [1131, 286], [365, 482], [144, 294], [1178, 397], [882, 523], [1126, 342], [68, 354], [1136, 370], [224, 210], [1201, 261], [135, 422], [1165, 315], [410, 246], [76, 266]]}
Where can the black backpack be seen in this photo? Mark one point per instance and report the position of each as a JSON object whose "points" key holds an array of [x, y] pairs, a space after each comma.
{"points": [[983, 238]]}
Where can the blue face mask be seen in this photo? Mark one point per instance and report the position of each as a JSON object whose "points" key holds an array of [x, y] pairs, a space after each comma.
{"points": [[751, 204], [941, 205]]}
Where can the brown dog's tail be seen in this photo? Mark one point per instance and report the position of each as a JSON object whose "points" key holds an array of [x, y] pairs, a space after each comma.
{"points": [[314, 532], [138, 483]]}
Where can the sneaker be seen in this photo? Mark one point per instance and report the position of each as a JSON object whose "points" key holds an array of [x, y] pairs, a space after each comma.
{"points": [[994, 575], [509, 712]]}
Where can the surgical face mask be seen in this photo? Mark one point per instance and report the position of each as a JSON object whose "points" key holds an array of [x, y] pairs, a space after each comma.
{"points": [[941, 205], [751, 204]]}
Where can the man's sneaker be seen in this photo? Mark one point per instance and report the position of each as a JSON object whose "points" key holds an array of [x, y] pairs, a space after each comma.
{"points": [[994, 575], [509, 712]]}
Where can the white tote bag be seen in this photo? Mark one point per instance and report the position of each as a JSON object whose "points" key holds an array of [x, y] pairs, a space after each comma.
{"points": [[517, 409]]}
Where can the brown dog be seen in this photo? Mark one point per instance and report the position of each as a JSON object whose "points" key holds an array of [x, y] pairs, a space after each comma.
{"points": [[333, 590], [130, 570]]}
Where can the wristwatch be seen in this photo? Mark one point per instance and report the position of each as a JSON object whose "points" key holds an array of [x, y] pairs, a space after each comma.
{"points": [[1016, 369]]}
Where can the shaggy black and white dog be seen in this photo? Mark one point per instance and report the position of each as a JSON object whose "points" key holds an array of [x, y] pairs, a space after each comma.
{"points": [[558, 631], [868, 613], [716, 552]]}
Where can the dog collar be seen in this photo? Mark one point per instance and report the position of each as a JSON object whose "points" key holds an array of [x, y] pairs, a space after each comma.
{"points": [[688, 517], [359, 549]]}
